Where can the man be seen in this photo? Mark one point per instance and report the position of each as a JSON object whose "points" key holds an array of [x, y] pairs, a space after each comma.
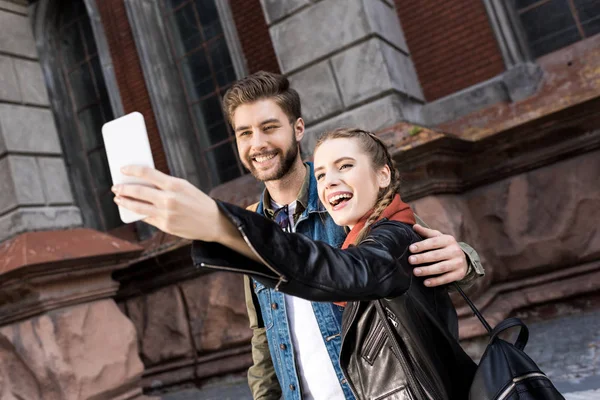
{"points": [[303, 337], [296, 343]]}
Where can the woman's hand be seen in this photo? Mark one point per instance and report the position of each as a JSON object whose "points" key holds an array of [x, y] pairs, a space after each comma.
{"points": [[173, 205], [450, 262]]}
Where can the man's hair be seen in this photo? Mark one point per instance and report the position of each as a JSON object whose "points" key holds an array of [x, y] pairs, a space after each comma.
{"points": [[262, 85]]}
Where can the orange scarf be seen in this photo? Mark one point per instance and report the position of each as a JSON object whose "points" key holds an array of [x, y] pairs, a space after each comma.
{"points": [[396, 211]]}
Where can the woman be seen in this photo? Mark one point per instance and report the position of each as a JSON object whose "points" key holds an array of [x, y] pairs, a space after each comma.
{"points": [[399, 337]]}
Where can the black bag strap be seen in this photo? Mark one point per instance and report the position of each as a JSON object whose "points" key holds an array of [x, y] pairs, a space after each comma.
{"points": [[509, 323], [412, 382], [502, 326]]}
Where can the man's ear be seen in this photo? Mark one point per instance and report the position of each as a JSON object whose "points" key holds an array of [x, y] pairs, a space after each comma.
{"points": [[299, 129], [384, 177]]}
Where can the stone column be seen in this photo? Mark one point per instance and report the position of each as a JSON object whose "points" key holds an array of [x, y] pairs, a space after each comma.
{"points": [[34, 188], [349, 61]]}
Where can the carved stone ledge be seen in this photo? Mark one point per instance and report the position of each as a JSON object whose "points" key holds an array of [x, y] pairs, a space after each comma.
{"points": [[43, 271], [500, 301], [204, 367], [437, 163]]}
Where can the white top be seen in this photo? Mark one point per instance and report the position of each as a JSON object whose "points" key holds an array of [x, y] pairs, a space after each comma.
{"points": [[319, 381]]}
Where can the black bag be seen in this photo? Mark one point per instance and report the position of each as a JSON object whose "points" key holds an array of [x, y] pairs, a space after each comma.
{"points": [[505, 372]]}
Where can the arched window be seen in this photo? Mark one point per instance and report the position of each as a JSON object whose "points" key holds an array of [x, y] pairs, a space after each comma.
{"points": [[554, 24], [80, 103], [199, 48]]}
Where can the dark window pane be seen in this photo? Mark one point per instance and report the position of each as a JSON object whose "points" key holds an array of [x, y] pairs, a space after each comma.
{"points": [[209, 18], [520, 4], [197, 75], [589, 15], [223, 164], [82, 87], [550, 27], [109, 210], [72, 10], [554, 42], [210, 121], [218, 133], [185, 30], [88, 35], [101, 85], [90, 125], [175, 3], [71, 46], [211, 109], [99, 169], [592, 27], [547, 19], [221, 60]]}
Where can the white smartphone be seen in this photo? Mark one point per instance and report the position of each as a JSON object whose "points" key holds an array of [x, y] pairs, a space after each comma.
{"points": [[126, 143]]}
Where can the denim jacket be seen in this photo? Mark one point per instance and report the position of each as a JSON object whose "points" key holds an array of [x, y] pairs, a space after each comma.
{"points": [[274, 373], [315, 223]]}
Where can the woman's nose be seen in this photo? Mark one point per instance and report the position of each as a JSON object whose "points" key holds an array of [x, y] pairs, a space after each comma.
{"points": [[331, 180]]}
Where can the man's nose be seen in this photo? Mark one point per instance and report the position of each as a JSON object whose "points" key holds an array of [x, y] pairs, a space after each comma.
{"points": [[259, 139]]}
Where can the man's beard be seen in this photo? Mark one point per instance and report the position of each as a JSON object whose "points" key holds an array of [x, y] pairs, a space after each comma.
{"points": [[286, 163]]}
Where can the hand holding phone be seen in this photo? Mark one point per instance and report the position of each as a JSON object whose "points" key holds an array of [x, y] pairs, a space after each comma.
{"points": [[126, 143]]}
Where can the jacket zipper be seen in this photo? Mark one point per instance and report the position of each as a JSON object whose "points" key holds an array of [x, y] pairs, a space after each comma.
{"points": [[518, 379], [281, 278], [406, 368], [374, 343]]}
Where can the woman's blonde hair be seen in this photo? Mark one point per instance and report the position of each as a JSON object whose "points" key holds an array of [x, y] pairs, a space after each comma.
{"points": [[380, 157]]}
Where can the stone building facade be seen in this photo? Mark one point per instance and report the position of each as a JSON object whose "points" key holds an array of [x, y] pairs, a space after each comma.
{"points": [[490, 108]]}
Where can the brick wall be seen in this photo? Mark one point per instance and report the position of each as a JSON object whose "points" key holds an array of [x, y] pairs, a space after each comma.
{"points": [[128, 72], [254, 35], [451, 42]]}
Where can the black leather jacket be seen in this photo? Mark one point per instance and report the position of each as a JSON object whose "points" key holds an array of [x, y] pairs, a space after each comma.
{"points": [[425, 361]]}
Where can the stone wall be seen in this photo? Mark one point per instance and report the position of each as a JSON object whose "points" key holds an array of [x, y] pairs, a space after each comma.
{"points": [[35, 192], [190, 330], [349, 61]]}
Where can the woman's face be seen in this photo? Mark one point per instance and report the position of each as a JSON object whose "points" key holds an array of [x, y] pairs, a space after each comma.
{"points": [[347, 182]]}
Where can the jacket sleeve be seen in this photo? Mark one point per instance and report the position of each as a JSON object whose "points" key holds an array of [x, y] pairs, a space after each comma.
{"points": [[475, 268], [314, 270], [262, 379]]}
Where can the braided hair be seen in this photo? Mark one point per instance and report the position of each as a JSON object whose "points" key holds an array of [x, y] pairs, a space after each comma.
{"points": [[380, 156]]}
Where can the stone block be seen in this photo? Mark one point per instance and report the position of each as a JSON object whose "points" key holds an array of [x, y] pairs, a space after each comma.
{"points": [[381, 68], [330, 25], [162, 326], [11, 6], [318, 91], [38, 218], [81, 352], [522, 80], [276, 9], [384, 21], [53, 173], [31, 80], [372, 116], [9, 86], [27, 130], [464, 102], [16, 36], [8, 197], [217, 311], [542, 220], [26, 179]]}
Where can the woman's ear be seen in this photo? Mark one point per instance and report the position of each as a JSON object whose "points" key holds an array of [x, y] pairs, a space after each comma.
{"points": [[384, 176]]}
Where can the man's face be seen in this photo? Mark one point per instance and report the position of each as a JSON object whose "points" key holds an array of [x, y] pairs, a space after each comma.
{"points": [[266, 140]]}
